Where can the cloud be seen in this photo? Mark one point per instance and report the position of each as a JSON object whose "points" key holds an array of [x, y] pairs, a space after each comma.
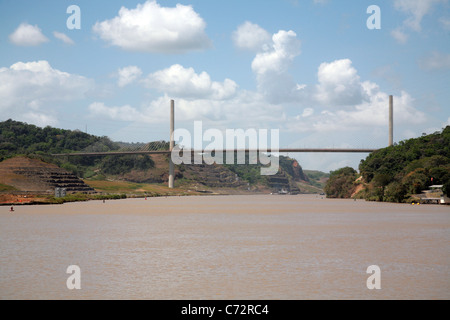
{"points": [[366, 106], [307, 112], [40, 119], [27, 35], [127, 75], [284, 48], [364, 117], [271, 66], [250, 36], [185, 83], [339, 102], [435, 61], [339, 84], [399, 35], [152, 28], [416, 10], [29, 90], [64, 38], [374, 112], [245, 109], [123, 113]]}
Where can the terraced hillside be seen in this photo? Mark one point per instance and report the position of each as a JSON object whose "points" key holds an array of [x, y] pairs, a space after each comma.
{"points": [[32, 175]]}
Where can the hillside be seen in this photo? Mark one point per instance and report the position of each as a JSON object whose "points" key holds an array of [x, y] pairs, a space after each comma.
{"points": [[317, 178], [34, 175], [21, 139], [397, 173]]}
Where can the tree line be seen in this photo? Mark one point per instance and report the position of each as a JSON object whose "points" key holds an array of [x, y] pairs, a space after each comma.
{"points": [[18, 138], [397, 172]]}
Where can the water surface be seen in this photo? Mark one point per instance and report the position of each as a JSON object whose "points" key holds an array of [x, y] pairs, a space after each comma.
{"points": [[225, 247]]}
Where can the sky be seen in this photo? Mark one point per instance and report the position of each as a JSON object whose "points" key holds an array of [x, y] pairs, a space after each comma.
{"points": [[319, 71]]}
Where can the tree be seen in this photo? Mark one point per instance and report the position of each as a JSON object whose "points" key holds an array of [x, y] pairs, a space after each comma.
{"points": [[341, 183]]}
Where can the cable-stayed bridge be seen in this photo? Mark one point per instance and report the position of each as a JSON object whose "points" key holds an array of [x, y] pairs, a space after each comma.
{"points": [[162, 147]]}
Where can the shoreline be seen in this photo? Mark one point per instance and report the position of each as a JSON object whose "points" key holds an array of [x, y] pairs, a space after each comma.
{"points": [[48, 199], [40, 200]]}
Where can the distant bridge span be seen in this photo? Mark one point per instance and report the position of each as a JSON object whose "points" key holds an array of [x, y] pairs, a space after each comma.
{"points": [[281, 150]]}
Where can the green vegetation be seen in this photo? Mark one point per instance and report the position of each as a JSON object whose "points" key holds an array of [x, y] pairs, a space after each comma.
{"points": [[117, 165], [308, 188], [341, 183], [396, 173], [6, 188], [317, 178], [252, 173], [21, 138], [17, 138]]}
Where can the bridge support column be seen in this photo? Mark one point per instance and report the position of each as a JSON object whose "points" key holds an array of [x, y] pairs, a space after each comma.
{"points": [[391, 121], [172, 143]]}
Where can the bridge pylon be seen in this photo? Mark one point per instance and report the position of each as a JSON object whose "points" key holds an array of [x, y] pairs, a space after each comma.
{"points": [[172, 142]]}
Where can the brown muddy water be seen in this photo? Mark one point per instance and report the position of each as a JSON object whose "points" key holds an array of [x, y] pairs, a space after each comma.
{"points": [[225, 247]]}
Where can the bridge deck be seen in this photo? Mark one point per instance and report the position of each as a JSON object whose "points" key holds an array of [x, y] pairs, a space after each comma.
{"points": [[281, 150]]}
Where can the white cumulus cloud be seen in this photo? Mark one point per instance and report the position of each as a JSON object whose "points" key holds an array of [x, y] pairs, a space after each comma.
{"points": [[285, 47], [27, 35], [186, 83], [362, 114], [153, 28], [271, 67], [250, 36], [339, 84], [29, 90]]}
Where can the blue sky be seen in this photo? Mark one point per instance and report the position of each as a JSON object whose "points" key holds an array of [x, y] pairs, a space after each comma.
{"points": [[311, 69]]}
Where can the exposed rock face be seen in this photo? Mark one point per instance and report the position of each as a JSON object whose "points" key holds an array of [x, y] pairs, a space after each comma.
{"points": [[215, 176], [297, 172], [219, 176], [281, 182], [289, 173], [34, 175]]}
